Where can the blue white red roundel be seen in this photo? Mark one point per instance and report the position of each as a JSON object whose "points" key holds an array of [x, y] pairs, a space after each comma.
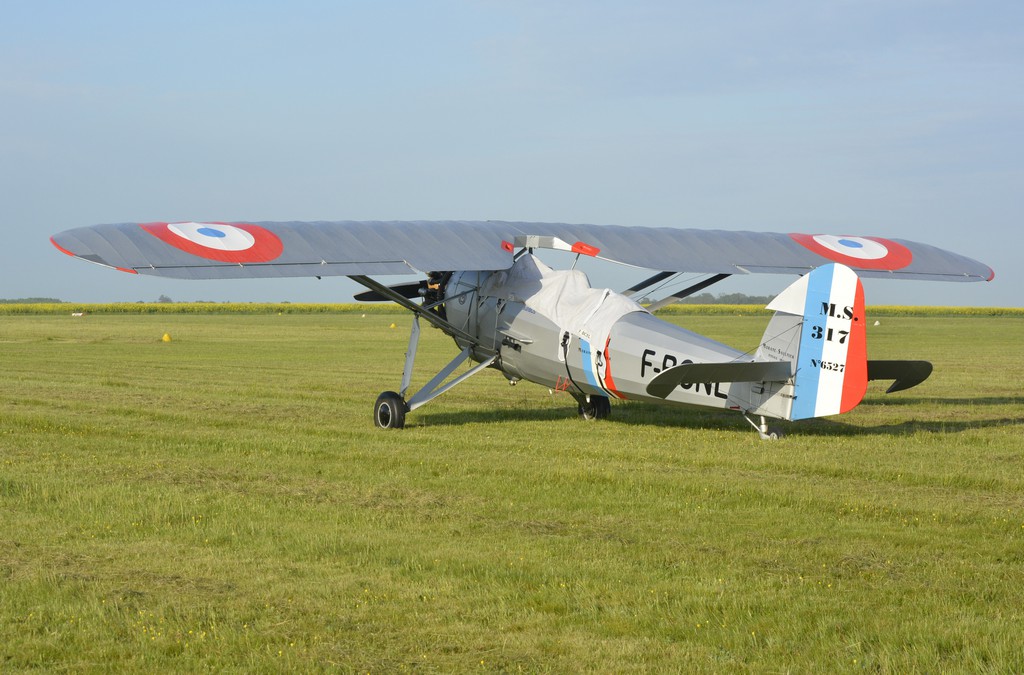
{"points": [[234, 243], [859, 252]]}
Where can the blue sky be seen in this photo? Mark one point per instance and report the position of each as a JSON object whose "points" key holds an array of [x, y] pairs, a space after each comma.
{"points": [[901, 118]]}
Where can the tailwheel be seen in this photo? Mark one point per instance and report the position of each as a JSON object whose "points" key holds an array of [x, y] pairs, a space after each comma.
{"points": [[766, 432], [389, 411], [595, 408]]}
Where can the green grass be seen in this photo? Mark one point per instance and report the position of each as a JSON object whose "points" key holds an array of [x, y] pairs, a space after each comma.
{"points": [[223, 502]]}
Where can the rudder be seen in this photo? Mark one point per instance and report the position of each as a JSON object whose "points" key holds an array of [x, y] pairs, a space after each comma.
{"points": [[831, 363]]}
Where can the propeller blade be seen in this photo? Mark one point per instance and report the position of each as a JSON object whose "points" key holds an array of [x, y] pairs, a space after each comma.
{"points": [[409, 290]]}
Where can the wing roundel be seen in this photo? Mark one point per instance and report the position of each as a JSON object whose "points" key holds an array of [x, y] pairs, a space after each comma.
{"points": [[864, 252], [235, 243]]}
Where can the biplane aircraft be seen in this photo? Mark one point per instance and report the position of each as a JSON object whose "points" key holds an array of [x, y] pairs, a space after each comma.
{"points": [[483, 285]]}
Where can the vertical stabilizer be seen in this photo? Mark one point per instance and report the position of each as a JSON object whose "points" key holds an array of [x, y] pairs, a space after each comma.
{"points": [[831, 362], [818, 327]]}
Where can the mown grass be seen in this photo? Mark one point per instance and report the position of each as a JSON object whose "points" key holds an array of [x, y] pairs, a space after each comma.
{"points": [[223, 502]]}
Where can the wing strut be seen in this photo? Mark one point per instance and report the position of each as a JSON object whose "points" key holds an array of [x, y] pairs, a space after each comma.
{"points": [[433, 389], [418, 310], [686, 292], [647, 283], [390, 409]]}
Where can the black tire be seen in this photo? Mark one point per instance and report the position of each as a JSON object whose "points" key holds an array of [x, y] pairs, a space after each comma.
{"points": [[389, 411], [596, 408], [775, 433]]}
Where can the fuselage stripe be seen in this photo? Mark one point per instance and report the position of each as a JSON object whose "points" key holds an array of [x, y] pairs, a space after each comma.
{"points": [[587, 358], [609, 383]]}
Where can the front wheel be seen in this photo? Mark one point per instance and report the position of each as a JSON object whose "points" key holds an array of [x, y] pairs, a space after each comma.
{"points": [[595, 408], [389, 411]]}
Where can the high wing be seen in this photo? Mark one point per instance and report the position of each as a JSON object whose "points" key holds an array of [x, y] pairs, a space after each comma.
{"points": [[295, 249]]}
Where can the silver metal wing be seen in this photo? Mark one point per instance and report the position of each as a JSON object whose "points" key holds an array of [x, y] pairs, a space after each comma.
{"points": [[295, 249]]}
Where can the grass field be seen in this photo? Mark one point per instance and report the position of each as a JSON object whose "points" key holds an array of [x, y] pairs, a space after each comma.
{"points": [[222, 501]]}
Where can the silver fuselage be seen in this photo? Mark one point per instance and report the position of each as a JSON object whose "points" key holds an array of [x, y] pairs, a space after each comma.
{"points": [[616, 359]]}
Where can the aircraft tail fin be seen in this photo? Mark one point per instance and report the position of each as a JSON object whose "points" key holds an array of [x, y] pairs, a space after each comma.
{"points": [[812, 360], [819, 327]]}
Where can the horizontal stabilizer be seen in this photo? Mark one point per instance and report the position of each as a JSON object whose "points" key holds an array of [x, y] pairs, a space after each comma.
{"points": [[906, 374], [697, 373]]}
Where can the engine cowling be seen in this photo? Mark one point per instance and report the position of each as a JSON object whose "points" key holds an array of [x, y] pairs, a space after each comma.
{"points": [[467, 310]]}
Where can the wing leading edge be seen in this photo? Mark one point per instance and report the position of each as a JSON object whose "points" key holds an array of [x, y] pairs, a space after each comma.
{"points": [[344, 248]]}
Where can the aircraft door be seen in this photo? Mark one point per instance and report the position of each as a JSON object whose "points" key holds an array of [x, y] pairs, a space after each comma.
{"points": [[582, 361]]}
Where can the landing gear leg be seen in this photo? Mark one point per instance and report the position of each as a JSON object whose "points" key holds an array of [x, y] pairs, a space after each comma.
{"points": [[766, 432], [593, 407], [391, 407]]}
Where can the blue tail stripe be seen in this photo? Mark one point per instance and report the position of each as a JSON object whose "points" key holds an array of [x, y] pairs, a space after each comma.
{"points": [[819, 288]]}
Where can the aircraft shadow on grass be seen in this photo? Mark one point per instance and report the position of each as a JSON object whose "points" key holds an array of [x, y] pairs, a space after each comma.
{"points": [[939, 401], [647, 414]]}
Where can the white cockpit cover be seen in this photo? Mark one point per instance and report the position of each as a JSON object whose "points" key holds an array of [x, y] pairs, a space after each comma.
{"points": [[562, 296]]}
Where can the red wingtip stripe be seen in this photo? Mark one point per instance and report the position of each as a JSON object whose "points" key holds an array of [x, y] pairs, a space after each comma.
{"points": [[585, 249], [61, 248]]}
